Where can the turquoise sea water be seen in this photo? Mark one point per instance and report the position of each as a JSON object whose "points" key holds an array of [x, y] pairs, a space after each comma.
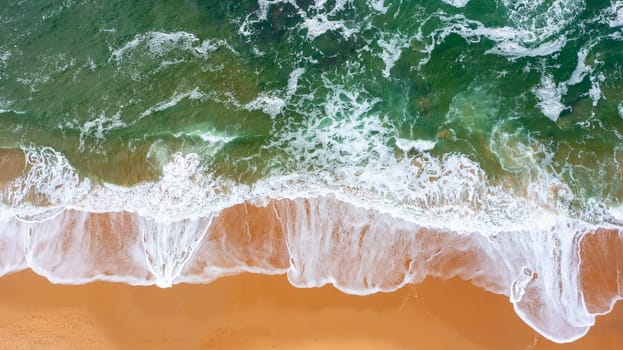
{"points": [[496, 124]]}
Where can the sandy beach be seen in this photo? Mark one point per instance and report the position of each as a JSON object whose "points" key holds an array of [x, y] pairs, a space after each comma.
{"points": [[265, 312], [237, 174]]}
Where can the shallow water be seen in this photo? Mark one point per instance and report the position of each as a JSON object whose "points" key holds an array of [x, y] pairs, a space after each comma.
{"points": [[359, 143]]}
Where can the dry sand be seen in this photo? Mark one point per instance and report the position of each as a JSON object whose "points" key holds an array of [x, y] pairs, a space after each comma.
{"points": [[266, 312]]}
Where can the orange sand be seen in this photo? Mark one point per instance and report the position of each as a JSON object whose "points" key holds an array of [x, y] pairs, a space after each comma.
{"points": [[265, 312]]}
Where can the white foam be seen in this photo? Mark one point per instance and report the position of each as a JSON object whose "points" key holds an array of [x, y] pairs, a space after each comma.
{"points": [[549, 95], [581, 69], [595, 91], [209, 136], [535, 28], [293, 81], [620, 109], [161, 43], [617, 212], [543, 19], [378, 206], [378, 6], [317, 20], [3, 110], [418, 145], [456, 3], [270, 104], [120, 52], [169, 246], [194, 94], [392, 49], [538, 269], [5, 107], [50, 181], [273, 102], [320, 24], [549, 300], [516, 50], [99, 126], [614, 14]]}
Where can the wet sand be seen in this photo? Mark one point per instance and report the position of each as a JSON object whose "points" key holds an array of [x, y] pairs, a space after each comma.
{"points": [[266, 312]]}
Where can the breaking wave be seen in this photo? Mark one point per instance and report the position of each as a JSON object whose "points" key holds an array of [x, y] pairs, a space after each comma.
{"points": [[188, 227]]}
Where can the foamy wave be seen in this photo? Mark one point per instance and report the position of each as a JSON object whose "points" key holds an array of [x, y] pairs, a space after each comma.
{"points": [[194, 94], [97, 128], [50, 181], [315, 241], [317, 19], [456, 3], [536, 28], [272, 103], [513, 42], [320, 24], [161, 43]]}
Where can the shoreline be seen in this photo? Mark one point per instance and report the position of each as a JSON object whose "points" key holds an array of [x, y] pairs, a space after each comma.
{"points": [[265, 312]]}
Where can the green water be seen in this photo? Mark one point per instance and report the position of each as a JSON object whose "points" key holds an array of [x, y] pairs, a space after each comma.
{"points": [[109, 85]]}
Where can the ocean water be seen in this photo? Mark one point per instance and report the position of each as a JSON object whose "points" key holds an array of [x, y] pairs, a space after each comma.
{"points": [[366, 144]]}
